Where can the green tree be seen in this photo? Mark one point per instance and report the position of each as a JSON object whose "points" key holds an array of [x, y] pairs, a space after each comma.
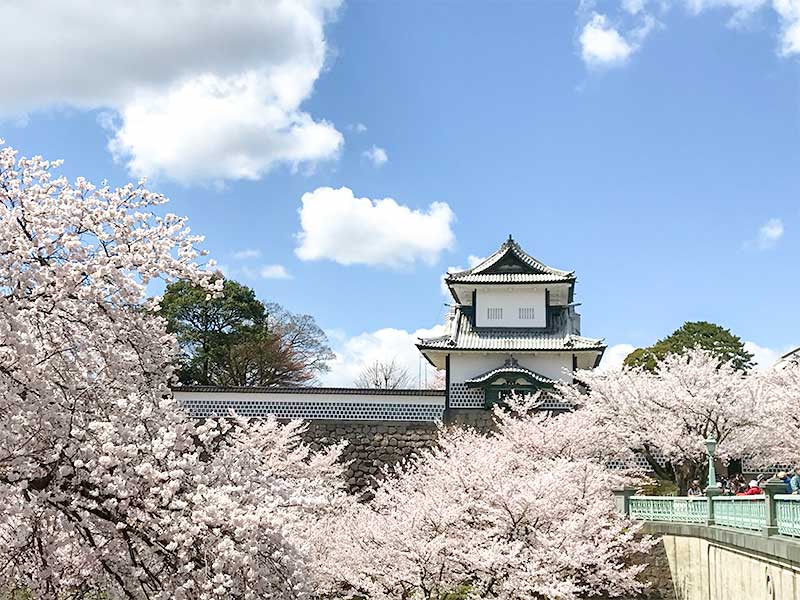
{"points": [[238, 340], [694, 334]]}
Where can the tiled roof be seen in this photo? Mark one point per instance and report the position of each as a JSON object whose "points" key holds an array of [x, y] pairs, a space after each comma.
{"points": [[463, 336], [512, 367], [465, 277], [306, 390], [510, 264], [791, 358]]}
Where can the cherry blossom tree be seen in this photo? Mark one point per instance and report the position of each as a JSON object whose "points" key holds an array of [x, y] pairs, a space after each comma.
{"points": [[105, 484], [667, 415], [521, 513], [780, 431]]}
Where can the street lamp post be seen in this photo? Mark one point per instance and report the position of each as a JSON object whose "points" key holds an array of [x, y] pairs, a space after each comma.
{"points": [[712, 490], [711, 446]]}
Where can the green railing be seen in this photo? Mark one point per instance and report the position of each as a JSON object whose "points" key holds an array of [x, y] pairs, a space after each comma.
{"points": [[741, 512], [773, 513], [787, 512], [677, 509]]}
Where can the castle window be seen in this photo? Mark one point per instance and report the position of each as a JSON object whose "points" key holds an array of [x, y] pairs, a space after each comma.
{"points": [[526, 312], [494, 313]]}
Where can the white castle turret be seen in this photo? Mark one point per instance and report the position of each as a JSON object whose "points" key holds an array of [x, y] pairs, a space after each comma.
{"points": [[512, 327]]}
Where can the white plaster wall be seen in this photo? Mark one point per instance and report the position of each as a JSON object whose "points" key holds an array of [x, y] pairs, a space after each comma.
{"points": [[466, 365], [586, 360], [510, 300]]}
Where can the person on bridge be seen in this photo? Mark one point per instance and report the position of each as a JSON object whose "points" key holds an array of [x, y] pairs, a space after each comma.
{"points": [[752, 489], [787, 481], [736, 485], [795, 482], [695, 489]]}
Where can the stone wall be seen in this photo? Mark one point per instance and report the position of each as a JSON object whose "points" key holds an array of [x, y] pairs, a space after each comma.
{"points": [[371, 446], [482, 420]]}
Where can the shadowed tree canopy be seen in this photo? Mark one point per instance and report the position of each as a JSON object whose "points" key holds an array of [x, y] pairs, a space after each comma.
{"points": [[694, 334], [239, 340]]}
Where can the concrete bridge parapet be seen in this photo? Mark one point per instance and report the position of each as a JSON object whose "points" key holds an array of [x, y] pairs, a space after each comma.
{"points": [[724, 548]]}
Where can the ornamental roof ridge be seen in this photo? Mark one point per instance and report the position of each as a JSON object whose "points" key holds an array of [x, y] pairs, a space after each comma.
{"points": [[541, 272], [510, 368]]}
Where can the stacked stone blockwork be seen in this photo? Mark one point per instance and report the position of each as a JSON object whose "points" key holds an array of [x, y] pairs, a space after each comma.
{"points": [[372, 447]]}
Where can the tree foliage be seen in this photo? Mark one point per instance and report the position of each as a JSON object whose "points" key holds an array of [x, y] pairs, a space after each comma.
{"points": [[237, 340], [666, 415], [698, 334], [105, 484], [383, 375], [781, 404], [526, 512]]}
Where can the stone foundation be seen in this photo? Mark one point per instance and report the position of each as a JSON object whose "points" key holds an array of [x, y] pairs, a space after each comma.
{"points": [[371, 446], [482, 420]]}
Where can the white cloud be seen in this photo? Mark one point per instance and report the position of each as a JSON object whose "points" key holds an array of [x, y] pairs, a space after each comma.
{"points": [[274, 272], [602, 45], [472, 260], [338, 226], [742, 9], [246, 254], [251, 272], [384, 344], [633, 7], [768, 235], [789, 14], [214, 129], [764, 357], [357, 127], [191, 90], [377, 156], [613, 356], [741, 14]]}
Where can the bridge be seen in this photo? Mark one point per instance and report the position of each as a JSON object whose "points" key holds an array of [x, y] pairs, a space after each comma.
{"points": [[725, 547]]}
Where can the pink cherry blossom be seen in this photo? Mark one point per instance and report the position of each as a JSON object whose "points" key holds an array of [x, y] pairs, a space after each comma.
{"points": [[670, 413], [105, 484], [522, 513]]}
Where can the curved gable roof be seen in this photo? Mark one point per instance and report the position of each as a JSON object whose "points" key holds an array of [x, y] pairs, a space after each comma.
{"points": [[510, 264], [511, 367]]}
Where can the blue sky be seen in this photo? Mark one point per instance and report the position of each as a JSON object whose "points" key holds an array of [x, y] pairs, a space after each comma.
{"points": [[650, 146]]}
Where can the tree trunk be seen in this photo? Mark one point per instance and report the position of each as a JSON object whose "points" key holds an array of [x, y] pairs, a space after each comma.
{"points": [[688, 471]]}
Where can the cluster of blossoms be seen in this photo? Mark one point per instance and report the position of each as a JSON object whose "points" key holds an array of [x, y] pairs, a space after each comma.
{"points": [[105, 484], [525, 512], [667, 415], [779, 436]]}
